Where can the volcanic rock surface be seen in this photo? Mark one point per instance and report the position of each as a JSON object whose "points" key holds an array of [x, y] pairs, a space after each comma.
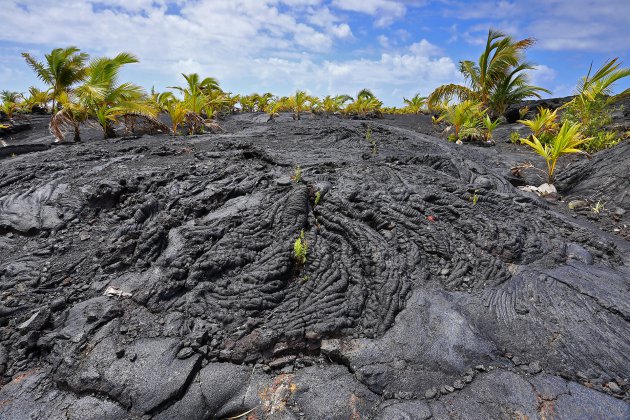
{"points": [[154, 278]]}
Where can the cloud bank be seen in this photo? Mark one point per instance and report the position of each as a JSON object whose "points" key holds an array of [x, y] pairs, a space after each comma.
{"points": [[396, 48]]}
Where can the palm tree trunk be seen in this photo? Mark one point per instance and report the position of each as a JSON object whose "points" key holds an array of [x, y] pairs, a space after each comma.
{"points": [[109, 132], [77, 134], [54, 98]]}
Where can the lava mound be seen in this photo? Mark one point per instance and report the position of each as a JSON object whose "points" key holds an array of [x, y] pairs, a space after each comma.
{"points": [[156, 278]]}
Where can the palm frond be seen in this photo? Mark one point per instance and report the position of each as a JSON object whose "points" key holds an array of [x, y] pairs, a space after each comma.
{"points": [[39, 68], [449, 92]]}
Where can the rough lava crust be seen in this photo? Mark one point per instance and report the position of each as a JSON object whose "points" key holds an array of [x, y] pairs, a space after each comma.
{"points": [[154, 278]]}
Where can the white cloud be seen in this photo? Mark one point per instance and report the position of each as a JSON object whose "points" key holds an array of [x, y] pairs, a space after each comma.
{"points": [[578, 35], [483, 10], [542, 74], [424, 48], [383, 41], [558, 25], [132, 5], [391, 76], [386, 10], [247, 44], [341, 31], [413, 70], [301, 2], [239, 26], [188, 66], [322, 17], [7, 74], [403, 35], [560, 91]]}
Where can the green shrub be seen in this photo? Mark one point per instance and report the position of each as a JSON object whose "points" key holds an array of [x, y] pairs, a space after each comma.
{"points": [[601, 140]]}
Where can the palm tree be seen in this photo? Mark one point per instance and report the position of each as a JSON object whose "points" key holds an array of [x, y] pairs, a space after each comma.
{"points": [[298, 103], [262, 101], [594, 94], [315, 104], [274, 107], [543, 125], [365, 94], [230, 102], [465, 118], [248, 102], [513, 88], [63, 68], [107, 99], [365, 103], [177, 111], [332, 104], [497, 73], [218, 101], [601, 83], [73, 113], [195, 90], [10, 96], [566, 141], [9, 108], [415, 104], [38, 98], [489, 125]]}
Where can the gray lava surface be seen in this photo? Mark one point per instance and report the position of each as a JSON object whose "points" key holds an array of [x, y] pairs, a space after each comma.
{"points": [[154, 278]]}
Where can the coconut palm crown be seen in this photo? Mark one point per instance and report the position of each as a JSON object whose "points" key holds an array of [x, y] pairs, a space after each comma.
{"points": [[62, 68], [496, 79], [196, 90], [106, 98], [415, 104]]}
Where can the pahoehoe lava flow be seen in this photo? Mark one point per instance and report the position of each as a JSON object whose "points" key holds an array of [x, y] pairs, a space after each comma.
{"points": [[154, 278]]}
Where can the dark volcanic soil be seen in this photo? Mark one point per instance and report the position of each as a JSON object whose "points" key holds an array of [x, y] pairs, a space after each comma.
{"points": [[154, 278]]}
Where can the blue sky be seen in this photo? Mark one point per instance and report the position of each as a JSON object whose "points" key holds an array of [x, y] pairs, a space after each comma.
{"points": [[395, 48]]}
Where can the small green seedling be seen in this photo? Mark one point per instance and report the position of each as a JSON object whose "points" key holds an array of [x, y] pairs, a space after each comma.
{"points": [[297, 175], [300, 249], [369, 137], [474, 198], [515, 137], [318, 196], [598, 207]]}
